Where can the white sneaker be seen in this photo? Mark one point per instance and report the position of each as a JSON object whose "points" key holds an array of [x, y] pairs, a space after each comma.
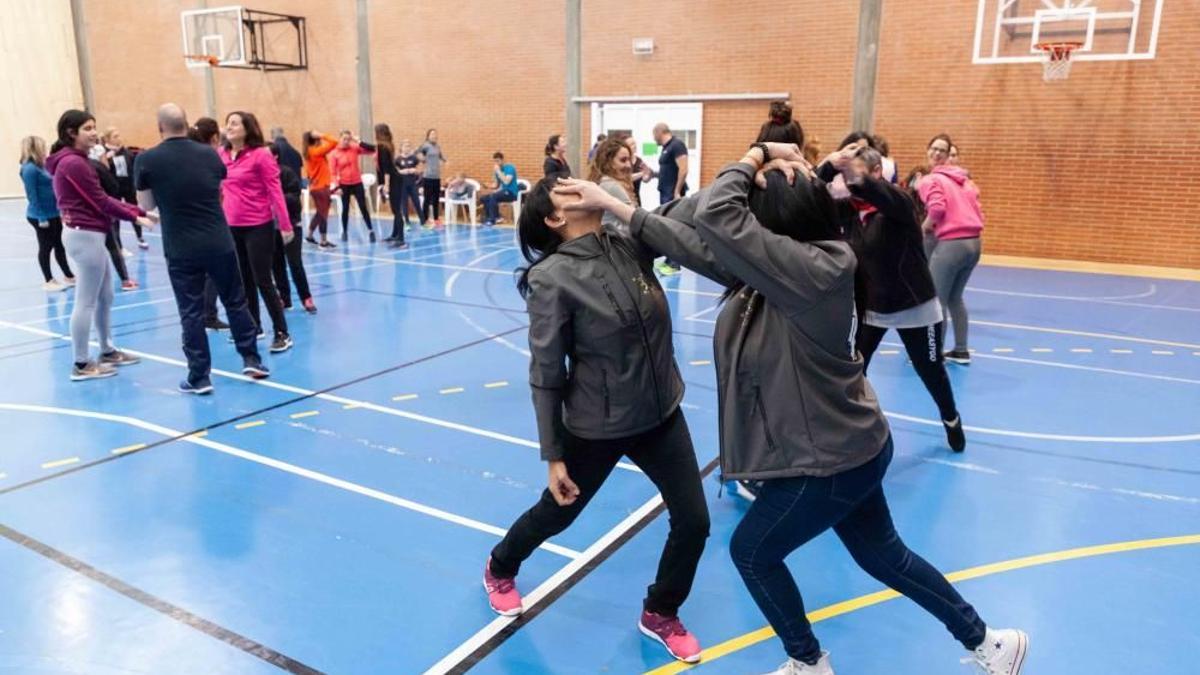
{"points": [[1003, 652], [794, 667], [54, 285], [127, 253]]}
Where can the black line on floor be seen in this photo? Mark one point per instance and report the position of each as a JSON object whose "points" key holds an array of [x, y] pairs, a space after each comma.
{"points": [[531, 613], [255, 413], [213, 630]]}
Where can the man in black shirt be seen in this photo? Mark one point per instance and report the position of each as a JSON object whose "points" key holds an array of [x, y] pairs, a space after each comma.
{"points": [[182, 179], [672, 177], [288, 156]]}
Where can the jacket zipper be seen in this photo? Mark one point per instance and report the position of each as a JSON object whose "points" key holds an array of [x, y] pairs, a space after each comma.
{"points": [[616, 306], [604, 380], [762, 413], [641, 325]]}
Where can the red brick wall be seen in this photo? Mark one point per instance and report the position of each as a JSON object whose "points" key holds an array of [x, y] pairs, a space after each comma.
{"points": [[1095, 168]]}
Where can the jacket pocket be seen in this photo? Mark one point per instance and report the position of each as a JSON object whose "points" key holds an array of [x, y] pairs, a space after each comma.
{"points": [[621, 314], [762, 415], [604, 390]]}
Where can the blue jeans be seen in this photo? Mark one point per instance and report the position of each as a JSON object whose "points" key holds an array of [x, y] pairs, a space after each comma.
{"points": [[492, 202], [791, 511]]}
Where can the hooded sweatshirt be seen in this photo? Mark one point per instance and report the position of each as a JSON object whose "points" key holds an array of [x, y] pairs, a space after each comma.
{"points": [[81, 200], [952, 201]]}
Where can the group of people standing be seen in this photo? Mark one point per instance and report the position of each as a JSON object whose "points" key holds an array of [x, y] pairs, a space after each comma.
{"points": [[810, 282]]}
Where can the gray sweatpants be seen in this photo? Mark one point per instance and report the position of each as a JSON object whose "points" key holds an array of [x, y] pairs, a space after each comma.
{"points": [[951, 265], [93, 290]]}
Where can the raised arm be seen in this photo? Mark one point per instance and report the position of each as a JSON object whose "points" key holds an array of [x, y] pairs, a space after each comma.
{"points": [[669, 231], [550, 341], [791, 274]]}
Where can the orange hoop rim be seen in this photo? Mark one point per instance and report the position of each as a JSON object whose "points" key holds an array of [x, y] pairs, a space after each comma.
{"points": [[1058, 50], [211, 60]]}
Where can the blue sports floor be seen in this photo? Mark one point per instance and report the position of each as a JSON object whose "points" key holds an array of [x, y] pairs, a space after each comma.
{"points": [[336, 517]]}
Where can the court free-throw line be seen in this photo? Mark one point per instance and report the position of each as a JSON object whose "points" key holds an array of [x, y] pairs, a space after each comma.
{"points": [[838, 609], [285, 467]]}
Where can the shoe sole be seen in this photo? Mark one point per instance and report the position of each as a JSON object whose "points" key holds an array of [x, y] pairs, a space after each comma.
{"points": [[516, 611], [255, 373], [654, 636], [959, 360], [278, 350], [81, 378], [202, 391], [122, 364]]}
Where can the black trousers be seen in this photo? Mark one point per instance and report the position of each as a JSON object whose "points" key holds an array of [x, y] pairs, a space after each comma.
{"points": [[188, 280], [114, 252], [666, 455], [359, 193], [924, 347], [49, 240], [408, 194], [256, 254], [432, 192], [287, 256], [210, 300], [396, 197]]}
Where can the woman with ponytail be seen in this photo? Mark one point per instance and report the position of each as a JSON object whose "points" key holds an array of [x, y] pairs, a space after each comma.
{"points": [[605, 385]]}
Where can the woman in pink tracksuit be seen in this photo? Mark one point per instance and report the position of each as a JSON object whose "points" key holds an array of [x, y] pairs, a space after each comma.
{"points": [[952, 203]]}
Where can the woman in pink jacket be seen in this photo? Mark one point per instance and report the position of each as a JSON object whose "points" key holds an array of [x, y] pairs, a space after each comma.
{"points": [[253, 203], [954, 216]]}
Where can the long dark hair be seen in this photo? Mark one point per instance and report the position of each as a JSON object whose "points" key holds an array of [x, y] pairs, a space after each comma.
{"points": [[804, 211], [856, 136], [204, 130], [536, 238], [383, 138], [254, 134], [68, 128], [780, 127], [552, 143]]}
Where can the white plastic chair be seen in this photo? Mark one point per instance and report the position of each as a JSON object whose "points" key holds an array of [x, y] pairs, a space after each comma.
{"points": [[372, 190], [450, 206], [523, 186]]}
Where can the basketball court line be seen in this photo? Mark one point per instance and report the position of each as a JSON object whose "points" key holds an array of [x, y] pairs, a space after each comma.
{"points": [[847, 606]]}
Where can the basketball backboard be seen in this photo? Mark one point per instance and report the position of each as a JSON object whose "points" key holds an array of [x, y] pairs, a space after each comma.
{"points": [[216, 33], [1008, 31]]}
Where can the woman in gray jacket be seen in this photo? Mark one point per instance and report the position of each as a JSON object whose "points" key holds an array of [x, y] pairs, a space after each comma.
{"points": [[605, 384], [796, 410]]}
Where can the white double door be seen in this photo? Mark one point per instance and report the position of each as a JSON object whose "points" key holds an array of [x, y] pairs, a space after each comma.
{"points": [[639, 119]]}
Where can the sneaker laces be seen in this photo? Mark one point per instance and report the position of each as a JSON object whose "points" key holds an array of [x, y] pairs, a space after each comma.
{"points": [[501, 585], [979, 668], [672, 626]]}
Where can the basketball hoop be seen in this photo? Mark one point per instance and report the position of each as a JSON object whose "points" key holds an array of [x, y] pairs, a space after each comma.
{"points": [[1056, 64], [202, 60]]}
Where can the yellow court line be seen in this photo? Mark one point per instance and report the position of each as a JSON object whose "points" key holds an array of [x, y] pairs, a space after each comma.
{"points": [[493, 385], [1003, 350], [404, 397], [1162, 352], [352, 406], [452, 390], [247, 425], [60, 462], [128, 448], [1120, 351], [306, 413], [1041, 350], [198, 434], [1081, 350], [701, 362], [766, 633], [889, 352]]}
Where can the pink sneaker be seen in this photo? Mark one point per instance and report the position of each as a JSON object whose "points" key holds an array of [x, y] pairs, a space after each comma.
{"points": [[670, 633], [502, 593]]}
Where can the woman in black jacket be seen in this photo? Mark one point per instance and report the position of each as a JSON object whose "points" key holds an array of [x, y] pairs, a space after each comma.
{"points": [[796, 410], [289, 255], [119, 160], [605, 385], [887, 239], [556, 165], [112, 188]]}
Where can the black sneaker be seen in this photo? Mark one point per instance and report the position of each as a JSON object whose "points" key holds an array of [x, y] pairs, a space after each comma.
{"points": [[954, 434], [312, 241], [201, 388], [960, 356], [345, 236], [372, 236], [281, 343], [216, 325], [327, 244], [398, 246], [255, 369]]}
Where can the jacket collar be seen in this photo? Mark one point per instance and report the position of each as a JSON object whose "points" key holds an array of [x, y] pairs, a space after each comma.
{"points": [[588, 246]]}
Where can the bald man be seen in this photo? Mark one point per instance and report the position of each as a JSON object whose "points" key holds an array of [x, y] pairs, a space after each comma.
{"points": [[182, 179]]}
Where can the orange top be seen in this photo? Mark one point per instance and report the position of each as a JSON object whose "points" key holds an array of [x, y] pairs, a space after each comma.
{"points": [[316, 165], [344, 163]]}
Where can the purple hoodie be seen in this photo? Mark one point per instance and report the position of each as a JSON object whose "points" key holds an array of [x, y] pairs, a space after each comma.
{"points": [[952, 200], [81, 200]]}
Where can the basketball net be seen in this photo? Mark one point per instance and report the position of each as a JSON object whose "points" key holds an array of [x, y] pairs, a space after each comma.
{"points": [[1056, 64], [206, 60]]}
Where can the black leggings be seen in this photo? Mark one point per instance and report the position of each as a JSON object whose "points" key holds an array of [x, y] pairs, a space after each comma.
{"points": [[359, 193], [396, 196], [289, 255], [256, 254], [666, 455], [924, 347], [432, 187], [408, 194], [114, 251], [49, 239]]}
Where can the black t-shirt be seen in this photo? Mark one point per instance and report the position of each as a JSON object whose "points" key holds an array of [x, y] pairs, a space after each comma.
{"points": [[185, 179], [408, 162], [384, 164], [555, 167], [668, 170]]}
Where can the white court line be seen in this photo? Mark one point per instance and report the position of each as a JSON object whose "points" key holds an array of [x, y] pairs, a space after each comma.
{"points": [[1105, 336], [1051, 437], [538, 594], [1134, 296], [289, 468], [965, 466]]}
